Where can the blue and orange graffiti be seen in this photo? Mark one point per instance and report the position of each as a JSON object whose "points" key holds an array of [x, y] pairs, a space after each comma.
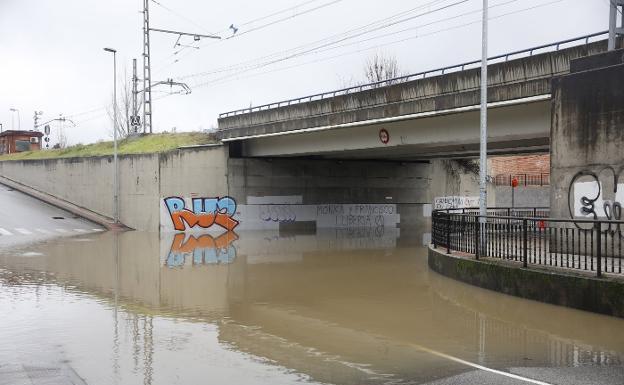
{"points": [[206, 212], [205, 249]]}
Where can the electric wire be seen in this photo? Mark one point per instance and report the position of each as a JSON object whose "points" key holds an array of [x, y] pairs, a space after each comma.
{"points": [[181, 16], [256, 28], [373, 24], [230, 68], [237, 35], [227, 79], [326, 42]]}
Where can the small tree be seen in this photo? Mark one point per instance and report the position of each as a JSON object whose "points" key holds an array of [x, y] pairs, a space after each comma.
{"points": [[124, 106], [380, 67]]}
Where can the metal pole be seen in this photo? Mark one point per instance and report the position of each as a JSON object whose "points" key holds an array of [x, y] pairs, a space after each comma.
{"points": [[598, 228], [135, 93], [483, 131], [19, 120], [513, 190], [115, 117], [525, 243], [612, 24], [115, 164], [147, 72]]}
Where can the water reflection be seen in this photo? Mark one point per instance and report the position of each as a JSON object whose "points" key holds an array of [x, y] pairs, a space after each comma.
{"points": [[341, 306], [202, 249]]}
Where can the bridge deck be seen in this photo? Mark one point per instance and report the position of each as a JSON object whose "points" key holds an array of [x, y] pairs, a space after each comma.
{"points": [[450, 88]]}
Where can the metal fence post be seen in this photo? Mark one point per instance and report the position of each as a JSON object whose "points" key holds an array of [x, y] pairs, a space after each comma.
{"points": [[525, 248], [477, 237], [598, 250], [448, 233], [435, 223]]}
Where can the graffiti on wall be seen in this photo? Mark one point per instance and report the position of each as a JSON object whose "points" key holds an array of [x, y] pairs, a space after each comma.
{"points": [[277, 213], [455, 202], [198, 215], [204, 250], [596, 195], [355, 215], [205, 213]]}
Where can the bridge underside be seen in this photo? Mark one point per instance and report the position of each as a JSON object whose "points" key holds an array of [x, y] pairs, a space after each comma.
{"points": [[521, 126]]}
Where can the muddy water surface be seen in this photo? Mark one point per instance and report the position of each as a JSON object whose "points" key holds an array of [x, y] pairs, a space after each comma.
{"points": [[341, 307]]}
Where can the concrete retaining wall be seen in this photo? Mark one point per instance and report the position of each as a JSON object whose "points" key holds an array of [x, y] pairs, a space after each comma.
{"points": [[529, 196], [144, 180], [603, 296]]}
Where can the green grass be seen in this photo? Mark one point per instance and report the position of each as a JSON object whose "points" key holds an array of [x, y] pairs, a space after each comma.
{"points": [[145, 144]]}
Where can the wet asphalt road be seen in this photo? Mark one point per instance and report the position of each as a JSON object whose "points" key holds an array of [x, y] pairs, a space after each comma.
{"points": [[25, 220]]}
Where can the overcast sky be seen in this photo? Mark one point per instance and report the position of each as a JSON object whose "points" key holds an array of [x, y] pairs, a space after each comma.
{"points": [[52, 58]]}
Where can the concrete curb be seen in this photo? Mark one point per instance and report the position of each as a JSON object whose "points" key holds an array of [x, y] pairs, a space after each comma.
{"points": [[64, 205], [598, 295]]}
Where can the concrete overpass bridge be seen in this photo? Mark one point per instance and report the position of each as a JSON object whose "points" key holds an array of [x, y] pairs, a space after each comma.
{"points": [[432, 114]]}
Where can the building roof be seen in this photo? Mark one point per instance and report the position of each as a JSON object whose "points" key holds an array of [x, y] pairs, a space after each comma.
{"points": [[21, 132]]}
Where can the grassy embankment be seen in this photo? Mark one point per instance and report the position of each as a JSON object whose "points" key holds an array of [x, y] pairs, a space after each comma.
{"points": [[139, 145]]}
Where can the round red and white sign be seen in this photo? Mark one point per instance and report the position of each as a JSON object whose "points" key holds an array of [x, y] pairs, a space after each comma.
{"points": [[384, 136]]}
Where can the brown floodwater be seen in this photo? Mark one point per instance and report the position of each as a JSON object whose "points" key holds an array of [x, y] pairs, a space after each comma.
{"points": [[339, 307]]}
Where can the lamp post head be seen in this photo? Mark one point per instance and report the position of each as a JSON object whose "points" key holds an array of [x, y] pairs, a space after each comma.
{"points": [[110, 50], [13, 109]]}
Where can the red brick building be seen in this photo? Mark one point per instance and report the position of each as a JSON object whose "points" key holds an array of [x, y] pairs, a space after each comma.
{"points": [[12, 141], [527, 169]]}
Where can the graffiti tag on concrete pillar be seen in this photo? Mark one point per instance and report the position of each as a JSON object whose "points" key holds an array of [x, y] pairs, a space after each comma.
{"points": [[596, 195]]}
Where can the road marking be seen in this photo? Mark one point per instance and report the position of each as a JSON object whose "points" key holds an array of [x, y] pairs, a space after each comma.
{"points": [[97, 230], [5, 232], [23, 231], [61, 230], [480, 367], [42, 231], [80, 230]]}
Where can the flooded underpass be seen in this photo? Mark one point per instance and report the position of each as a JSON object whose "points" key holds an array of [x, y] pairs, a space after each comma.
{"points": [[334, 307]]}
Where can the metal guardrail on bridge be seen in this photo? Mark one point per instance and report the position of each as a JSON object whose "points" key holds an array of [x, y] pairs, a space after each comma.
{"points": [[523, 179], [530, 237], [422, 75]]}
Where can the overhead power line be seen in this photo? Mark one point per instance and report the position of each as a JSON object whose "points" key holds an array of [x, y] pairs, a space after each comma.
{"points": [[181, 16], [365, 27], [334, 47], [177, 52], [284, 19], [275, 13], [229, 78], [328, 42]]}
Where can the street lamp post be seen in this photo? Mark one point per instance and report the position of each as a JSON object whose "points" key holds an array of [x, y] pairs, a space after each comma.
{"points": [[483, 130], [115, 165], [19, 120]]}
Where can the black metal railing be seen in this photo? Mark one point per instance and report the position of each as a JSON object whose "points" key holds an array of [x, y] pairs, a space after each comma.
{"points": [[530, 237], [524, 179]]}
